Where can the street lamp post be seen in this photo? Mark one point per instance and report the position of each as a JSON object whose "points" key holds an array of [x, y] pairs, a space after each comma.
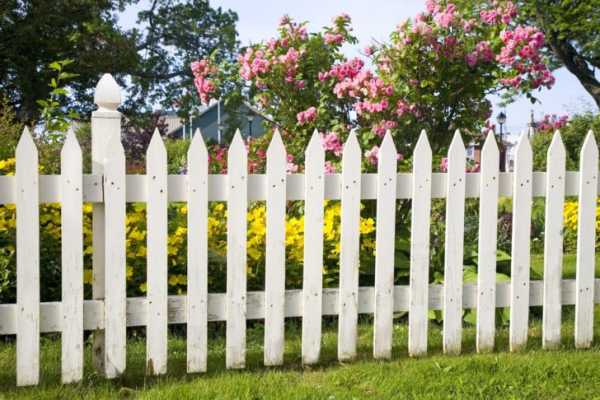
{"points": [[250, 117], [501, 119]]}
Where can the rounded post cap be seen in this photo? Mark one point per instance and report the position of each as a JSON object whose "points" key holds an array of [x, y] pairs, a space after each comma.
{"points": [[108, 93]]}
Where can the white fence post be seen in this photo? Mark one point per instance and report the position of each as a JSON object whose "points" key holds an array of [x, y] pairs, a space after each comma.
{"points": [[418, 308], [28, 262], [275, 252], [586, 242], [349, 249], [106, 121], [553, 242], [72, 259], [157, 326], [385, 240], [453, 253], [521, 236], [312, 275], [486, 255], [197, 253], [115, 294], [237, 206]]}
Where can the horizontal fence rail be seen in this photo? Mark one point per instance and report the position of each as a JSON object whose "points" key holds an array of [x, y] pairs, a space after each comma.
{"points": [[136, 187], [110, 312]]}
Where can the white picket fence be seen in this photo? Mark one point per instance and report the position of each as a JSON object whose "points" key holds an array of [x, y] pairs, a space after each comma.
{"points": [[111, 312]]}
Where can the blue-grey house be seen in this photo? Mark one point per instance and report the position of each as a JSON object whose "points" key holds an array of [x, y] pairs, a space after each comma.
{"points": [[217, 124]]}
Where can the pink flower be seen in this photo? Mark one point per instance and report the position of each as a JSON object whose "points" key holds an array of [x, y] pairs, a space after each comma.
{"points": [[471, 59], [372, 155], [309, 115], [444, 164], [331, 142], [329, 168], [333, 38]]}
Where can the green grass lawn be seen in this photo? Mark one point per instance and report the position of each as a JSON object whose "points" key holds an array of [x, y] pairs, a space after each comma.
{"points": [[536, 373], [566, 373]]}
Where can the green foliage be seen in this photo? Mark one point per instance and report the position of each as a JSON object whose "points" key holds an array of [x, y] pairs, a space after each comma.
{"points": [[573, 135], [54, 117], [572, 32], [154, 55], [10, 129]]}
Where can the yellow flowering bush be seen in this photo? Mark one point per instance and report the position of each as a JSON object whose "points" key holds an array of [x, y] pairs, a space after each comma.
{"points": [[50, 243], [570, 224]]}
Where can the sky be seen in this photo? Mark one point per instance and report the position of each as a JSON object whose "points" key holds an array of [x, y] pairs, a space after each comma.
{"points": [[374, 20]]}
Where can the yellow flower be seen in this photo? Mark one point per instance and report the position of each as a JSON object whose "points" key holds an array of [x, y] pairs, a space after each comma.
{"points": [[367, 225], [88, 276]]}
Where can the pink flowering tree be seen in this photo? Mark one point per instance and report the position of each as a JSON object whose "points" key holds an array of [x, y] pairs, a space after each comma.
{"points": [[287, 78], [437, 71]]}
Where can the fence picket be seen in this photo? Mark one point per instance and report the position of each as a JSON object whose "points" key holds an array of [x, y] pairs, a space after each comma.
{"points": [[157, 328], [486, 256], [454, 237], [312, 276], [418, 308], [553, 242], [72, 259], [28, 262], [586, 240], [197, 253], [115, 330], [520, 257], [384, 246], [349, 249], [275, 252], [237, 175]]}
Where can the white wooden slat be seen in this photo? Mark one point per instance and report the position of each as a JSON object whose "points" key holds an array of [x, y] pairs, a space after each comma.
{"points": [[520, 255], [93, 310], [157, 275], [28, 262], [553, 242], [486, 256], [115, 331], [237, 175], [418, 318], [197, 252], [275, 252], [72, 260], [349, 249], [312, 275], [454, 238], [385, 238], [586, 241], [49, 186], [106, 122]]}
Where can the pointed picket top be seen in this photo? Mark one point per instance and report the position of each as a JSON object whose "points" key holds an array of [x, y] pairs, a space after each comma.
{"points": [[156, 148], [315, 145], [197, 146], [557, 147], [589, 150], [523, 146], [422, 145], [237, 143], [387, 150], [351, 147], [276, 147], [457, 146], [108, 93], [26, 143], [71, 143], [490, 146]]}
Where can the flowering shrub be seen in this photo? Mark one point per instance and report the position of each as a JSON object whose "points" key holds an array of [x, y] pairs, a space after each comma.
{"points": [[434, 74], [50, 236], [570, 224]]}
